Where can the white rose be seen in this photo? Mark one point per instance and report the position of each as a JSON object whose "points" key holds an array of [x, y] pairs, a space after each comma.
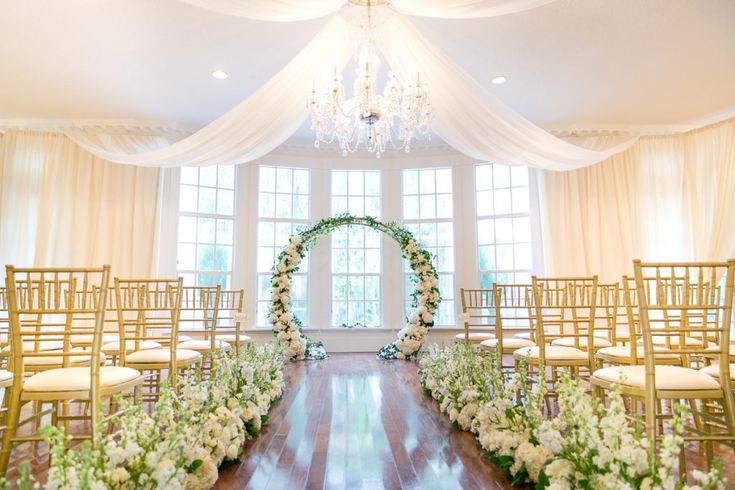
{"points": [[427, 317], [296, 240]]}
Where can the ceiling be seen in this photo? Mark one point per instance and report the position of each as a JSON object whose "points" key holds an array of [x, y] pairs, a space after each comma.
{"points": [[570, 62]]}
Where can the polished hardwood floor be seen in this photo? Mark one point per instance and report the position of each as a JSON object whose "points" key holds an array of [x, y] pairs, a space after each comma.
{"points": [[354, 422]]}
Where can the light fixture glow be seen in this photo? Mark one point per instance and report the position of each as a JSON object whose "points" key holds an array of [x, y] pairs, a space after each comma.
{"points": [[219, 74], [498, 80]]}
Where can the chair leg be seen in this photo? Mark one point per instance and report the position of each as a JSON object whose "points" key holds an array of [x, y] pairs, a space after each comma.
{"points": [[13, 417]]}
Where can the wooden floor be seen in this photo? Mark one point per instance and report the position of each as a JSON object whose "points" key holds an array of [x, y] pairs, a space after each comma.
{"points": [[354, 422]]}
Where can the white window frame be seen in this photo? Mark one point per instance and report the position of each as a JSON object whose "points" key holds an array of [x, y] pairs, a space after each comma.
{"points": [[447, 296], [196, 272], [362, 196]]}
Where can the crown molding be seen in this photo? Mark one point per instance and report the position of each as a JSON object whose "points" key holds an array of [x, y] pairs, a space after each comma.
{"points": [[108, 126]]}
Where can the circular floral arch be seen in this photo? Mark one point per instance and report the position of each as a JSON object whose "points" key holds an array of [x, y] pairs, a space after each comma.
{"points": [[426, 297]]}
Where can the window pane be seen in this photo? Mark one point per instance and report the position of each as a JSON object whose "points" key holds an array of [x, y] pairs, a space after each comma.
{"points": [[190, 175], [225, 202], [519, 176], [283, 205], [188, 198], [427, 181], [284, 180], [301, 207], [410, 207], [266, 229], [224, 232], [520, 200], [267, 182], [372, 183], [444, 206], [444, 180], [187, 229], [355, 184], [501, 176], [208, 176], [410, 182], [226, 177], [207, 200], [301, 182], [483, 177], [502, 201], [205, 232], [484, 203], [485, 231], [267, 205], [428, 206], [185, 257], [522, 229], [339, 183]]}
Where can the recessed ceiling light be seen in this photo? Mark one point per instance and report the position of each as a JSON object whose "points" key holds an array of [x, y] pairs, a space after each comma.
{"points": [[219, 74], [499, 80]]}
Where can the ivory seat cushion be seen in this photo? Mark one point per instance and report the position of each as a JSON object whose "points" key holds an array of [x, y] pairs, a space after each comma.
{"points": [[624, 352], [6, 378], [569, 342], [714, 370], [475, 337], [667, 377], [554, 353], [113, 348], [85, 340], [508, 343], [161, 356], [523, 335], [620, 334], [184, 338], [244, 339], [203, 345], [78, 379]]}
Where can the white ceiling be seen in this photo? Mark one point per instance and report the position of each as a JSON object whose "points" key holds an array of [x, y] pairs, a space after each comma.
{"points": [[571, 62]]}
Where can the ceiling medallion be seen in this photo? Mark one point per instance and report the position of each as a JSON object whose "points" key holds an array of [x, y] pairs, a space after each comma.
{"points": [[371, 120]]}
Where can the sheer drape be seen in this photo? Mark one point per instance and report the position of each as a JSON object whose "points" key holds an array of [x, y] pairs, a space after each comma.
{"points": [[295, 10], [466, 116], [61, 206], [665, 198]]}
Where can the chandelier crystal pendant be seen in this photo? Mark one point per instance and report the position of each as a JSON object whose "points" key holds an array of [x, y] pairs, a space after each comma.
{"points": [[369, 119]]}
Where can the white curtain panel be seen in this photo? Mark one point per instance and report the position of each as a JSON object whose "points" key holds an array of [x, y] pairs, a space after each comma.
{"points": [[61, 206], [665, 198], [295, 10], [258, 124], [472, 120]]}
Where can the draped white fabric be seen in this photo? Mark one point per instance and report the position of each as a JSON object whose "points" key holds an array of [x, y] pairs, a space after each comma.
{"points": [[61, 206], [271, 10], [466, 116], [295, 10], [464, 9], [258, 124], [665, 198], [472, 120]]}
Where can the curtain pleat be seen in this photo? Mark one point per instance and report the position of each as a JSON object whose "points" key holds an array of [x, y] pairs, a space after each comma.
{"points": [[62, 206]]}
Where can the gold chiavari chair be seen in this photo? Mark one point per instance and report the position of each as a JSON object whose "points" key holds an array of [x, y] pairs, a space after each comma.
{"points": [[564, 307], [512, 309], [6, 377], [201, 305], [42, 308], [606, 313], [680, 301], [632, 352], [110, 330], [472, 302], [229, 318], [148, 311]]}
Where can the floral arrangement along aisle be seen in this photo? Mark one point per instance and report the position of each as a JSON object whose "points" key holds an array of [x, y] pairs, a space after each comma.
{"points": [[188, 435], [426, 297], [585, 446]]}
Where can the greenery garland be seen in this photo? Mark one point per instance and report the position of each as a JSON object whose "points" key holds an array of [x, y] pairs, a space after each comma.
{"points": [[426, 296]]}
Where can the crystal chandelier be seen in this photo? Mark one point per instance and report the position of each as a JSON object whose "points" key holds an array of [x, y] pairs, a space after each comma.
{"points": [[368, 119]]}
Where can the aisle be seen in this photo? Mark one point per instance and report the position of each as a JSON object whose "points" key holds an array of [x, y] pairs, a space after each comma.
{"points": [[355, 422]]}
